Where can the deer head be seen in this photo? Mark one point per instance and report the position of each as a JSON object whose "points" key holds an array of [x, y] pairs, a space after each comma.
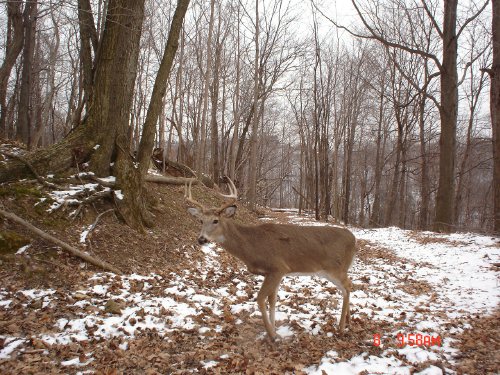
{"points": [[210, 218]]}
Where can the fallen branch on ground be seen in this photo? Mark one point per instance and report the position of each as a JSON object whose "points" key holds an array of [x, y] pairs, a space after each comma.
{"points": [[40, 179], [149, 178], [171, 180], [94, 224], [72, 250], [91, 199]]}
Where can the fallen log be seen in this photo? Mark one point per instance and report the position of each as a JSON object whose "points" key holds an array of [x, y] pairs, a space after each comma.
{"points": [[171, 180], [70, 249]]}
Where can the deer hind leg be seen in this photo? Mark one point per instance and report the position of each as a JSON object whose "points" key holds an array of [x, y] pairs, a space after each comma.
{"points": [[268, 291], [345, 285]]}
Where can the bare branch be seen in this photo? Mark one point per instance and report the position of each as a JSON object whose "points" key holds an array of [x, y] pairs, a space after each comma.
{"points": [[386, 42], [469, 20], [94, 224], [433, 20]]}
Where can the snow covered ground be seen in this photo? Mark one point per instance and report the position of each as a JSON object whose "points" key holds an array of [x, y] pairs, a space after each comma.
{"points": [[420, 284]]}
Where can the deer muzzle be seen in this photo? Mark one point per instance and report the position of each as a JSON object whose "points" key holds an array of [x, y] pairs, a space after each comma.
{"points": [[202, 240]]}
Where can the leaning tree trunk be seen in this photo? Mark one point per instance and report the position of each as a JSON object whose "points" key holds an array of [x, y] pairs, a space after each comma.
{"points": [[133, 178]]}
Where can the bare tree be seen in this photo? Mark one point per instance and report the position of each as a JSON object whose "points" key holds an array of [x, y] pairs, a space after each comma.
{"points": [[495, 110], [252, 174], [13, 47]]}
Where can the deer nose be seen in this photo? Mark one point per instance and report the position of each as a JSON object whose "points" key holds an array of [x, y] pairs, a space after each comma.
{"points": [[202, 240]]}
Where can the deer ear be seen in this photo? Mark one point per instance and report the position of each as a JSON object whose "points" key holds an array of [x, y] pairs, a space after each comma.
{"points": [[194, 211], [229, 211]]}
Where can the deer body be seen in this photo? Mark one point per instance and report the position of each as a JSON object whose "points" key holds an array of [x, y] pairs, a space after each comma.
{"points": [[289, 249], [277, 250]]}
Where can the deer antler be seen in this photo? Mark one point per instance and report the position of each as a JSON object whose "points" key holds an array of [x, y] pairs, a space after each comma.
{"points": [[232, 197], [189, 197]]}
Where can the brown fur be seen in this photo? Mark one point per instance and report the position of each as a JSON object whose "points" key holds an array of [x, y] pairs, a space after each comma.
{"points": [[277, 250]]}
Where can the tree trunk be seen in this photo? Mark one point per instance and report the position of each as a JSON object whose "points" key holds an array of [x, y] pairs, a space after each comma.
{"points": [[23, 129], [349, 147], [495, 112], [252, 174], [375, 218], [108, 119], [236, 106], [200, 158], [392, 197], [130, 177], [424, 172], [214, 98], [448, 113], [88, 40], [13, 47], [160, 87]]}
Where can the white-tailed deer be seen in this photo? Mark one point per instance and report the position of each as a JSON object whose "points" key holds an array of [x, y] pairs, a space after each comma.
{"points": [[277, 250]]}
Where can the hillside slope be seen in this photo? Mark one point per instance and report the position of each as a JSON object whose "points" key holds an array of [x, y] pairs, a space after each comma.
{"points": [[181, 308]]}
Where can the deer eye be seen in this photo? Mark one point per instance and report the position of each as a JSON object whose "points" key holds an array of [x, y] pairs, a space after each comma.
{"points": [[216, 221]]}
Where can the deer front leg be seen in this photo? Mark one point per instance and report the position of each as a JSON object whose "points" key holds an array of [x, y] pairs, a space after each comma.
{"points": [[272, 298], [268, 291], [345, 310], [346, 314], [349, 289]]}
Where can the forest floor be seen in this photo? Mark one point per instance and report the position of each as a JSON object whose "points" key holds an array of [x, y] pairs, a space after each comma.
{"points": [[181, 308]]}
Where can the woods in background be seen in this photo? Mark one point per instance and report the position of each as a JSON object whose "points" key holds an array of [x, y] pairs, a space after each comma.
{"points": [[379, 118]]}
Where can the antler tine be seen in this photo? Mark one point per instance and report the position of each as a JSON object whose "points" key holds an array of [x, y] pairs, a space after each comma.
{"points": [[189, 197], [233, 193], [232, 196]]}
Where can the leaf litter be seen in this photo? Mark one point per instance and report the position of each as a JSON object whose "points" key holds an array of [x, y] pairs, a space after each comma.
{"points": [[204, 319]]}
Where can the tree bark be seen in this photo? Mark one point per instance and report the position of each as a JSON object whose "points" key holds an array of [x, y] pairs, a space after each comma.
{"points": [[424, 170], [214, 99], [108, 119], [88, 41], [495, 112], [13, 47], [349, 148], [23, 129], [448, 111], [236, 105], [160, 86], [375, 218], [130, 176], [252, 174], [200, 156]]}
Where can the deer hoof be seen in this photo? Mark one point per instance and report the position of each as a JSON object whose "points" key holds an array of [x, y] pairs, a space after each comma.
{"points": [[271, 338]]}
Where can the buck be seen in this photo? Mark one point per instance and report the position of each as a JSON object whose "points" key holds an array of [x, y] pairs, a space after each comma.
{"points": [[278, 250]]}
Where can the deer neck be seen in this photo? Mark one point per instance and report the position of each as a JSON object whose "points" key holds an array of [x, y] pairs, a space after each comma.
{"points": [[233, 238]]}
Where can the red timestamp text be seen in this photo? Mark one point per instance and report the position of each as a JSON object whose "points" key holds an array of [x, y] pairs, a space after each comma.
{"points": [[412, 339]]}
